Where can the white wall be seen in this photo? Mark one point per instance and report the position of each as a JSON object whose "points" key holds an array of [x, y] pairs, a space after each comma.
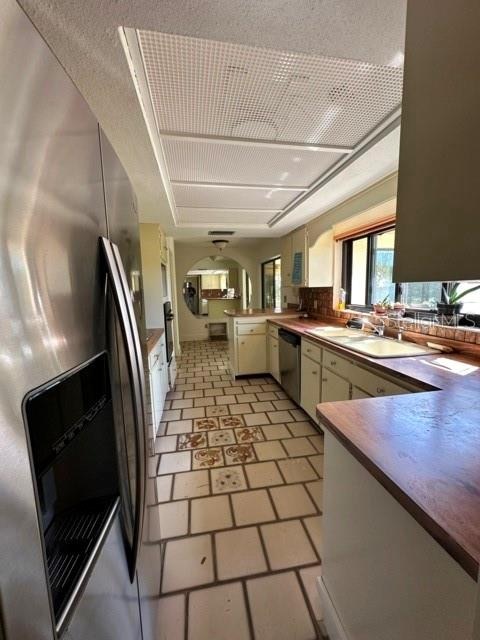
{"points": [[249, 256]]}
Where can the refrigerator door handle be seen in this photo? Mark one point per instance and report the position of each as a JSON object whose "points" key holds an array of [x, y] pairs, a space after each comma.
{"points": [[131, 339]]}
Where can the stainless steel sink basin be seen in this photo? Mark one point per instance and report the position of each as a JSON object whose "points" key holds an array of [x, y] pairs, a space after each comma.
{"points": [[373, 346]]}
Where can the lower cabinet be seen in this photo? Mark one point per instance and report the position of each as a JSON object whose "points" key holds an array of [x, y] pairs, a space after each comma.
{"points": [[158, 379], [273, 357], [334, 387], [358, 394], [251, 353], [310, 386]]}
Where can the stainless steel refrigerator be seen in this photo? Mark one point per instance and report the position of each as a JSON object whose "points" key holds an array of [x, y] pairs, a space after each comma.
{"points": [[79, 550]]}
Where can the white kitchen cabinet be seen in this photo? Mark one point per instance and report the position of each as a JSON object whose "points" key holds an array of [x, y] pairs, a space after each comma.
{"points": [[373, 384], [310, 386], [358, 394], [273, 357], [286, 264], [158, 381], [295, 242], [334, 387], [252, 353]]}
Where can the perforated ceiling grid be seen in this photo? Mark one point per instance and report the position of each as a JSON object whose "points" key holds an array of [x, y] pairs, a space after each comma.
{"points": [[218, 89]]}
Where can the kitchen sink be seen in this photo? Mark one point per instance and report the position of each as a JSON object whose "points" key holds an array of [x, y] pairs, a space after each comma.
{"points": [[369, 345]]}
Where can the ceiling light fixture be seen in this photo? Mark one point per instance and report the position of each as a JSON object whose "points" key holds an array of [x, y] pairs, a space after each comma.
{"points": [[220, 244]]}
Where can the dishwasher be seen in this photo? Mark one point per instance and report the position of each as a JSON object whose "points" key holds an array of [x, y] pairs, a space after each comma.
{"points": [[289, 348]]}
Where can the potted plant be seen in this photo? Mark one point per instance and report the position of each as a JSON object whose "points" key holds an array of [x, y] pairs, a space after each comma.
{"points": [[451, 305], [383, 307]]}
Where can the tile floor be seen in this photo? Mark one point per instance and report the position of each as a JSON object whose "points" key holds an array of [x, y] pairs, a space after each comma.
{"points": [[239, 488]]}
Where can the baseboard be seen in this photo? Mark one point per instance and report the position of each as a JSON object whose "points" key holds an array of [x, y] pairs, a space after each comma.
{"points": [[331, 620]]}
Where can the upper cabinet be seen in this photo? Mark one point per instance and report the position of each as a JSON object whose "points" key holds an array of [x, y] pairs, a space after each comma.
{"points": [[294, 252], [438, 224]]}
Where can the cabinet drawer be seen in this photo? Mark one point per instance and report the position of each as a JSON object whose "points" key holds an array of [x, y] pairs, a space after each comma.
{"points": [[311, 350], [374, 384], [337, 364], [251, 328], [273, 330]]}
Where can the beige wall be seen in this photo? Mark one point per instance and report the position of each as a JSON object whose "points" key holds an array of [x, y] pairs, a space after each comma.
{"points": [[249, 256], [152, 275]]}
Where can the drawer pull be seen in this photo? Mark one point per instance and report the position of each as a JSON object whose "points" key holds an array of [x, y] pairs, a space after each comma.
{"points": [[308, 350], [324, 379], [242, 343], [333, 363], [314, 373], [380, 390]]}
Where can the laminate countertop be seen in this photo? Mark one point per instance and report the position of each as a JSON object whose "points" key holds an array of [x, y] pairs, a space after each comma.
{"points": [[249, 313], [424, 448], [153, 336]]}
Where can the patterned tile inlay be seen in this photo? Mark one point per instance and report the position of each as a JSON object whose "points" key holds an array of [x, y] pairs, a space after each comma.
{"points": [[226, 422], [192, 441], [203, 458], [221, 437], [205, 424], [239, 453], [228, 479], [249, 434], [225, 458]]}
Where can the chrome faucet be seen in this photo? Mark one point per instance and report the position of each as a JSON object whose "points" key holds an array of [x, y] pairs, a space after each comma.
{"points": [[378, 330]]}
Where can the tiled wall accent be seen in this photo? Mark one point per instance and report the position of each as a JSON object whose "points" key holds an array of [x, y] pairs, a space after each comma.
{"points": [[322, 296]]}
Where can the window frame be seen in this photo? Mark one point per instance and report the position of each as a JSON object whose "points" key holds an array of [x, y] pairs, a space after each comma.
{"points": [[271, 261]]}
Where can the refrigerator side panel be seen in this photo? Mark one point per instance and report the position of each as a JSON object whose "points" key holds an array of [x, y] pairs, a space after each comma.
{"points": [[51, 313]]}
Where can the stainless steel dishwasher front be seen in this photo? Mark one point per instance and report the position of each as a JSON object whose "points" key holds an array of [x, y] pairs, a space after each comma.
{"points": [[289, 348]]}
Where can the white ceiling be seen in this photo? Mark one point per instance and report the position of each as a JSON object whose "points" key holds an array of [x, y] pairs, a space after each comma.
{"points": [[302, 33]]}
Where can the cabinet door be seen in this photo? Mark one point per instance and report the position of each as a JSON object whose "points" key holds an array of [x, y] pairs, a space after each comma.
{"points": [[357, 394], [310, 386], [273, 359], [286, 265], [299, 242], [252, 354], [334, 387]]}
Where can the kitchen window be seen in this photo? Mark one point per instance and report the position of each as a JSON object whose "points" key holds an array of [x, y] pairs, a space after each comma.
{"points": [[271, 284]]}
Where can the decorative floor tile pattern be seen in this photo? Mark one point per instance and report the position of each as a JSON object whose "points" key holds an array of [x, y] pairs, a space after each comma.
{"points": [[239, 489]]}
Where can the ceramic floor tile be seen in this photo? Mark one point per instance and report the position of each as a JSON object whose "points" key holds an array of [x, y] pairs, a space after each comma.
{"points": [[270, 450], [191, 485], [173, 519], [174, 462], [221, 437], [239, 453], [205, 424], [192, 441], [292, 501], [316, 491], [174, 395], [193, 394], [203, 402], [236, 409], [165, 444], [249, 434], [263, 474], [287, 544], [252, 419], [299, 415], [246, 397], [282, 405], [152, 465], [212, 393], [297, 470], [317, 463], [266, 395], [216, 410], [188, 563], [182, 404], [272, 619], [197, 412], [218, 613], [262, 406], [221, 400], [302, 429], [210, 514], [299, 447], [179, 426], [163, 486], [207, 458], [251, 507], [170, 415], [314, 528], [280, 416], [228, 479], [239, 553], [276, 431], [309, 577], [230, 422], [317, 442], [171, 618]]}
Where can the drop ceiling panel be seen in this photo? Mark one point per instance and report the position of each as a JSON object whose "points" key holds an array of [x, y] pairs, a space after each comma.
{"points": [[190, 215], [232, 198], [205, 161], [216, 88]]}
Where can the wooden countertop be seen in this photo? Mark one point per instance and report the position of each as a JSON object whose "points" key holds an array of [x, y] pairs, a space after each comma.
{"points": [[249, 313], [153, 336], [424, 448]]}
